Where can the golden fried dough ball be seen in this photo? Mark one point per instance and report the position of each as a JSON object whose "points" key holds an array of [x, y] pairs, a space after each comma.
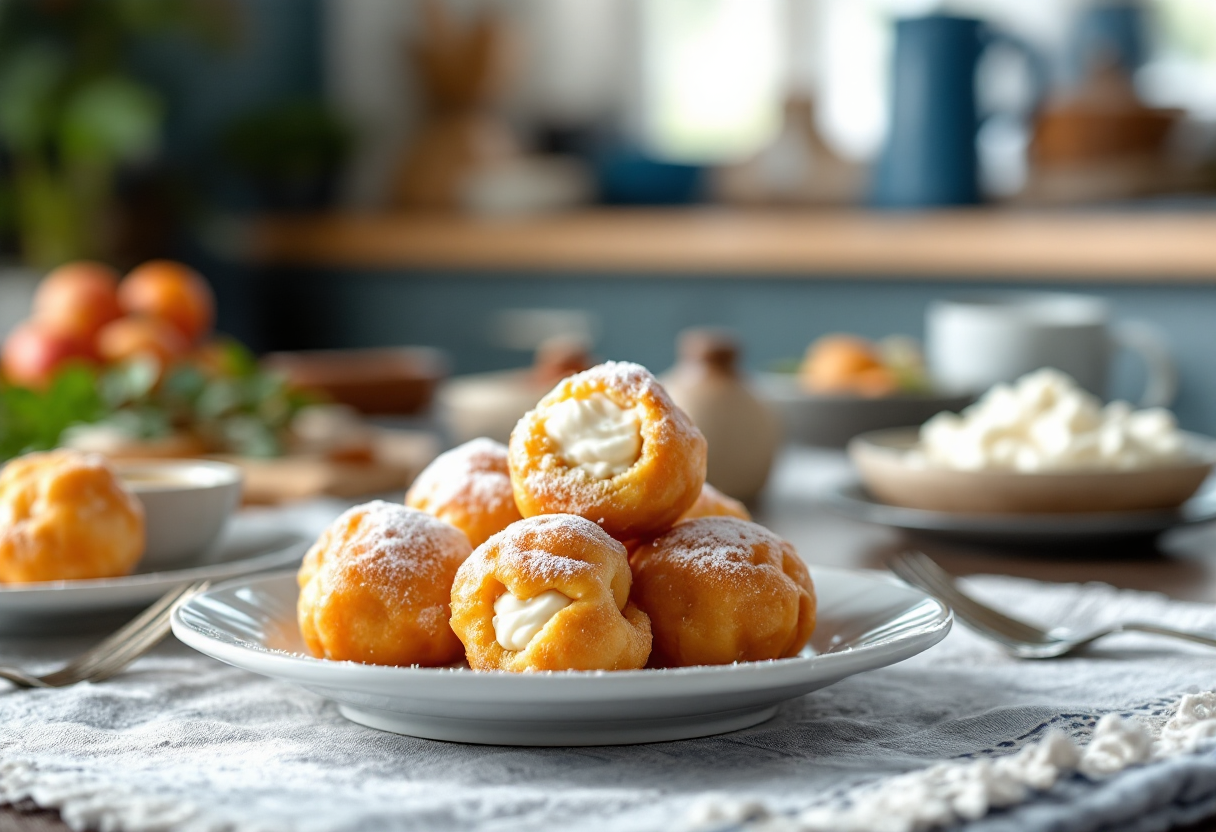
{"points": [[469, 487], [549, 593], [376, 587], [713, 503], [721, 590], [609, 445], [66, 516]]}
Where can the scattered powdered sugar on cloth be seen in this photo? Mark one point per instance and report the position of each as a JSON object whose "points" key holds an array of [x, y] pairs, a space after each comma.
{"points": [[184, 742]]}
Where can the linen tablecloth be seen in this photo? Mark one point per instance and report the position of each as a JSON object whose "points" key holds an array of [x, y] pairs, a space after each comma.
{"points": [[181, 741]]}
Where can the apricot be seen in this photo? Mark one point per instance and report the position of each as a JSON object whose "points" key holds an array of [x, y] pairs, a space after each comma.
{"points": [[77, 299], [835, 362], [33, 353], [876, 381], [134, 336], [172, 292]]}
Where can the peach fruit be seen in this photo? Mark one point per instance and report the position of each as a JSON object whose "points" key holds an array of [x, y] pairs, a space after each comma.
{"points": [[33, 353], [172, 292], [77, 299], [133, 336]]}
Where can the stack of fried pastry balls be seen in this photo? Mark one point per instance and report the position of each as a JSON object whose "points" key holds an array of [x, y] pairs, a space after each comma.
{"points": [[592, 542]]}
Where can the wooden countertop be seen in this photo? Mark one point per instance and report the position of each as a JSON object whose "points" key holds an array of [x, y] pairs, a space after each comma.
{"points": [[997, 244]]}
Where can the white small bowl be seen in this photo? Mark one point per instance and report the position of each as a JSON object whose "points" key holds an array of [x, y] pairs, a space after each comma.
{"points": [[186, 504]]}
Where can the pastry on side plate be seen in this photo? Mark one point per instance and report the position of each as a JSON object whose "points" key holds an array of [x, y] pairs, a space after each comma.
{"points": [[721, 590], [609, 445], [64, 516], [376, 587], [549, 593], [469, 487], [713, 503]]}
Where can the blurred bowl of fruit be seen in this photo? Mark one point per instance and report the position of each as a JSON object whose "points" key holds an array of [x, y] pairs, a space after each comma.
{"points": [[130, 367], [846, 385]]}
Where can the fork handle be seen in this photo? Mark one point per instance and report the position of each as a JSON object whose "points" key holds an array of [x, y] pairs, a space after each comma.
{"points": [[1157, 630], [21, 679]]}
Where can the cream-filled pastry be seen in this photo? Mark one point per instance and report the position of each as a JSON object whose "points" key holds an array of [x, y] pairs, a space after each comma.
{"points": [[517, 621], [595, 435], [549, 593], [609, 445]]}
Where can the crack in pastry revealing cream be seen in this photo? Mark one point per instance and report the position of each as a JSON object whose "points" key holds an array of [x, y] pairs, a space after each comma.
{"points": [[517, 621], [595, 435]]}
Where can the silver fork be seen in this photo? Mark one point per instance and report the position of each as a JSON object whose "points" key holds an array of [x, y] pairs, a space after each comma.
{"points": [[1021, 639], [117, 651]]}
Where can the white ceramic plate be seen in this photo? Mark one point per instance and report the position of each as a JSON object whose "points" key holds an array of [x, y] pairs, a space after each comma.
{"points": [[1047, 530], [55, 606], [866, 621]]}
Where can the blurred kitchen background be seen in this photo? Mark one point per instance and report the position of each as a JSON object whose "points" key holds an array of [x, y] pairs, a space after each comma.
{"points": [[493, 178]]}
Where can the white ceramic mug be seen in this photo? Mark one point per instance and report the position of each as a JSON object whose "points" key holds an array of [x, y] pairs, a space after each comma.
{"points": [[976, 341]]}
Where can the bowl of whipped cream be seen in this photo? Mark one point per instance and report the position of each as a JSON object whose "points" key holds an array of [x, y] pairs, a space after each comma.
{"points": [[1041, 445]]}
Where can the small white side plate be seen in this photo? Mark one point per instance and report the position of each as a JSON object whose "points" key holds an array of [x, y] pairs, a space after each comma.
{"points": [[866, 621], [1049, 531], [55, 606]]}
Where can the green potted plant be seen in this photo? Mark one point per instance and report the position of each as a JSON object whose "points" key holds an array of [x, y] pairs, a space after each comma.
{"points": [[72, 114]]}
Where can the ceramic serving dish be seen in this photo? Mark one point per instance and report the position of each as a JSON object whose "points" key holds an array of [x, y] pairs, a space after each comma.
{"points": [[889, 474], [1092, 532], [186, 504], [832, 419], [390, 380], [865, 621]]}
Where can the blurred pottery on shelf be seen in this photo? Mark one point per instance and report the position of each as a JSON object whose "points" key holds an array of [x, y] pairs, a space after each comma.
{"points": [[830, 420], [1102, 119], [742, 431], [883, 461], [528, 186], [930, 157], [390, 380], [460, 72], [1101, 142], [796, 168]]}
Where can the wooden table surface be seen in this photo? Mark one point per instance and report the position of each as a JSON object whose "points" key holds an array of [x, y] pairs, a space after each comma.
{"points": [[1182, 565]]}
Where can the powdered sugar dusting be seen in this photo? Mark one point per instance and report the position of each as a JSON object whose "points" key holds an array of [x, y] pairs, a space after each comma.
{"points": [[392, 548], [475, 472], [531, 547], [720, 547]]}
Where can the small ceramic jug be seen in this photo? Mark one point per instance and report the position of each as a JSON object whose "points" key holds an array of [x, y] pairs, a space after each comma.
{"points": [[743, 433]]}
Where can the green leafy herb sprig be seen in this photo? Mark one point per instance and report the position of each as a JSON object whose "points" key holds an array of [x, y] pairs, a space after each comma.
{"points": [[229, 402]]}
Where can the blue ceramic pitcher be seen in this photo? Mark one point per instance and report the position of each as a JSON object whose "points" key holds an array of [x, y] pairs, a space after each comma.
{"points": [[930, 156]]}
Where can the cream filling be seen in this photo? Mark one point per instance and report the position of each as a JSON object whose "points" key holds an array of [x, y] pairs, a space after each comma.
{"points": [[595, 435], [517, 621]]}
